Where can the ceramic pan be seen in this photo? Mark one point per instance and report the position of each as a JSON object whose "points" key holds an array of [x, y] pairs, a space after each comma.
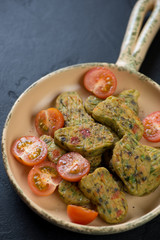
{"points": [[43, 93]]}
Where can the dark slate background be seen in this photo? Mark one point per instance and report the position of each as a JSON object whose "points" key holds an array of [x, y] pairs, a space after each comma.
{"points": [[38, 37]]}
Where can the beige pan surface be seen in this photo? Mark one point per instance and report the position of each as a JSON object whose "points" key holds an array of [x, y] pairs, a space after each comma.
{"points": [[42, 94]]}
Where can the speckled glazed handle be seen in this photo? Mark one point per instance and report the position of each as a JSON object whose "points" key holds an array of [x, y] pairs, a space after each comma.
{"points": [[136, 40]]}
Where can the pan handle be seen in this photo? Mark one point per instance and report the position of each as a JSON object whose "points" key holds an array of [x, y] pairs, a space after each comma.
{"points": [[137, 39]]}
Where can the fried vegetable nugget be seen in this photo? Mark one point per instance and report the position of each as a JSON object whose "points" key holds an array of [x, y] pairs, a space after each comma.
{"points": [[113, 112], [88, 139], [71, 194], [104, 192], [130, 97], [137, 165], [54, 152], [94, 161], [71, 106], [154, 178], [91, 102]]}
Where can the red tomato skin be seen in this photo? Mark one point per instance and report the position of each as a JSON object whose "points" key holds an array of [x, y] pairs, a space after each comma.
{"points": [[48, 121], [73, 166], [100, 81], [152, 127], [50, 187], [24, 158], [81, 215]]}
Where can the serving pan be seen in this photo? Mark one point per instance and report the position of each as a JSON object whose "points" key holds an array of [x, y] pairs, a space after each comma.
{"points": [[42, 94]]}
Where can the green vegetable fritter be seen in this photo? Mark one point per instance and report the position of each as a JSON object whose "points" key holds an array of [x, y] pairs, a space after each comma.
{"points": [[94, 161], [54, 151], [154, 178], [137, 165], [130, 97], [113, 112], [104, 192], [71, 194], [71, 106], [91, 102], [88, 139]]}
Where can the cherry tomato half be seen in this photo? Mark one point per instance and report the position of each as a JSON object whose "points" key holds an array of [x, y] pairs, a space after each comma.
{"points": [[72, 166], [48, 121], [100, 81], [29, 150], [81, 215], [152, 127], [44, 178]]}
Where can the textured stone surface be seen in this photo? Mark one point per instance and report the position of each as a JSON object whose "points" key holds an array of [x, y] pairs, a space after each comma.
{"points": [[38, 37]]}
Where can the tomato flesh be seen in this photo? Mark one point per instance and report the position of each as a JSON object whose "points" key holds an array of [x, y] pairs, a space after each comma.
{"points": [[72, 166], [100, 81], [48, 121], [29, 150], [44, 178], [81, 215], [152, 127]]}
